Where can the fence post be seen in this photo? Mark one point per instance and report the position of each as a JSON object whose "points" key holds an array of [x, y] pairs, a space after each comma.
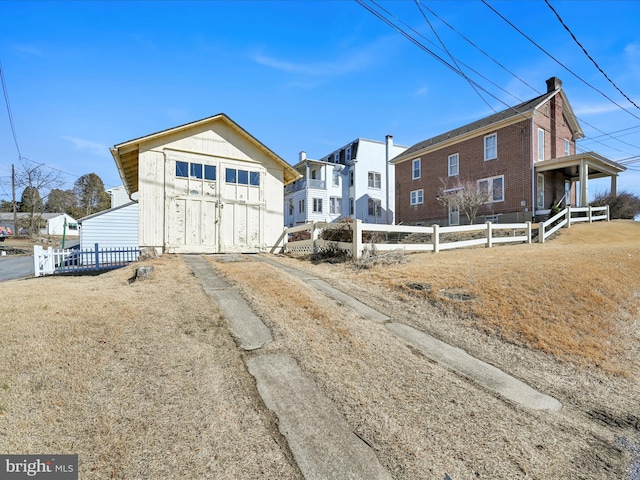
{"points": [[608, 217], [568, 216], [590, 218], [356, 239], [314, 238], [489, 237], [37, 252], [541, 232], [97, 257], [528, 232], [436, 238]]}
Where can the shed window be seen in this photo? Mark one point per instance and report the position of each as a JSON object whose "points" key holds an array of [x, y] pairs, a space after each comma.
{"points": [[182, 169], [231, 175], [243, 177], [254, 179], [209, 172], [196, 170]]}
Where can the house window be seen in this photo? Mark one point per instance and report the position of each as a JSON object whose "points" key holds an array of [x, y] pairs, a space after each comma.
{"points": [[375, 207], [540, 191], [540, 144], [417, 197], [209, 172], [301, 206], [334, 205], [416, 164], [491, 146], [317, 205], [182, 169], [495, 187], [454, 215], [352, 206], [374, 180], [351, 176], [453, 165], [336, 157], [336, 178], [348, 154], [567, 148], [290, 207]]}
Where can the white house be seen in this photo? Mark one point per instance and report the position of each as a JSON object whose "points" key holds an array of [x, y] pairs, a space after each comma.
{"points": [[205, 187], [61, 224], [111, 229], [119, 196], [354, 181]]}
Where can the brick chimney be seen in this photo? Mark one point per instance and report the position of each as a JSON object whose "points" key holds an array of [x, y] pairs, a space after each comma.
{"points": [[553, 83]]}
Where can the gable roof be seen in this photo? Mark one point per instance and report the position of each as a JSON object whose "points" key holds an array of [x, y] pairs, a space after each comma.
{"points": [[506, 117], [126, 154]]}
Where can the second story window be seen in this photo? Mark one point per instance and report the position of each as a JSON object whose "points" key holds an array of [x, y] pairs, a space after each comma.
{"points": [[453, 164], [567, 148], [348, 159], [416, 169], [540, 144], [336, 178], [374, 180], [351, 175], [491, 146]]}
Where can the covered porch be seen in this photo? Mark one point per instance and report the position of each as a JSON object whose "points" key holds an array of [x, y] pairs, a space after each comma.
{"points": [[578, 170]]}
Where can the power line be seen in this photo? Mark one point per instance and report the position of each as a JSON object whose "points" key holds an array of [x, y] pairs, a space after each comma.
{"points": [[444, 47], [589, 56], [558, 61], [6, 101]]}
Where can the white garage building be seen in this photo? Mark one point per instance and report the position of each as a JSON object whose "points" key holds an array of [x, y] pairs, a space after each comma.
{"points": [[205, 187]]}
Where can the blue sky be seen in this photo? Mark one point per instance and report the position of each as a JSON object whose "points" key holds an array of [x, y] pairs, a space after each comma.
{"points": [[301, 75]]}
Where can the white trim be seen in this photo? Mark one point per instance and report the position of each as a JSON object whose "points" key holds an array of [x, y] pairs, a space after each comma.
{"points": [[453, 156], [416, 197], [495, 147], [413, 168]]}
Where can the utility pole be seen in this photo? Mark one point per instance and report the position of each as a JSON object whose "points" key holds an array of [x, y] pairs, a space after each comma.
{"points": [[13, 191]]}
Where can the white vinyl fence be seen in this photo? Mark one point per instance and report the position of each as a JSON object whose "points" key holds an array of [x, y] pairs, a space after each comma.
{"points": [[56, 260], [394, 237], [571, 215]]}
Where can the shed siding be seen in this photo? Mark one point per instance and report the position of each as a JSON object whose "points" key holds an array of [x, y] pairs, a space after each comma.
{"points": [[113, 229]]}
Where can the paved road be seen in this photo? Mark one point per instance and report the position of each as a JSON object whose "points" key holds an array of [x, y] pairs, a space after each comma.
{"points": [[12, 267]]}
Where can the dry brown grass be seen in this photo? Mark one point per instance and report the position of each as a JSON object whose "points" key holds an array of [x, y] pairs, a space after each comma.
{"points": [[142, 381], [423, 421], [576, 297]]}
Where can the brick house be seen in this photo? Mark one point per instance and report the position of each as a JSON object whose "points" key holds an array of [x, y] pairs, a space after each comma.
{"points": [[525, 156]]}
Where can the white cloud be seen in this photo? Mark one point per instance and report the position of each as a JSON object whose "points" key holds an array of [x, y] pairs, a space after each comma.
{"points": [[94, 148], [422, 91], [30, 49], [594, 109], [347, 62]]}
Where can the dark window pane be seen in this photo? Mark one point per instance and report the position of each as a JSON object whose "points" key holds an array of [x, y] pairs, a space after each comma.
{"points": [[182, 169], [255, 178], [243, 177], [230, 175], [209, 172], [196, 170]]}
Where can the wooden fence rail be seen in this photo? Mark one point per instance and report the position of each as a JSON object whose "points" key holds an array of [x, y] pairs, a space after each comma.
{"points": [[571, 215]]}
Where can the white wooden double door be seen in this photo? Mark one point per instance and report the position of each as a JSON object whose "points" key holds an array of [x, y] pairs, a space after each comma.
{"points": [[214, 216]]}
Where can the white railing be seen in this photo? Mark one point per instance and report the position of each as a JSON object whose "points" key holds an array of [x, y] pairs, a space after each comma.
{"points": [[361, 234], [55, 260], [571, 215]]}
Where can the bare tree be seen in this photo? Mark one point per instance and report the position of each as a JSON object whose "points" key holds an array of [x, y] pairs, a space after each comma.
{"points": [[37, 184], [465, 195]]}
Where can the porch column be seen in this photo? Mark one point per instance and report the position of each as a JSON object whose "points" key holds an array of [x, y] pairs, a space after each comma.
{"points": [[614, 185], [584, 183]]}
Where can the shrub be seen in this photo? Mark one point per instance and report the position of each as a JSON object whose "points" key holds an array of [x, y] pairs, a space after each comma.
{"points": [[625, 205]]}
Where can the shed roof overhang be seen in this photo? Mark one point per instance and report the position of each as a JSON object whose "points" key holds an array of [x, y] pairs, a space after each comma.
{"points": [[598, 166], [126, 155]]}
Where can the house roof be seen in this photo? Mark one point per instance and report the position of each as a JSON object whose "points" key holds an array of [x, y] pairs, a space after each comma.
{"points": [[102, 212], [126, 154], [599, 166], [506, 117]]}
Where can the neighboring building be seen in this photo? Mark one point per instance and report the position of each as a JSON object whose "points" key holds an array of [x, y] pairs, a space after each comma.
{"points": [[205, 187], [119, 196], [54, 222], [525, 156], [111, 229], [354, 181], [61, 224]]}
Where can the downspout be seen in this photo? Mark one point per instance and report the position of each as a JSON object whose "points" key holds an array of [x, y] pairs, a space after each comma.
{"points": [[533, 168], [389, 144]]}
